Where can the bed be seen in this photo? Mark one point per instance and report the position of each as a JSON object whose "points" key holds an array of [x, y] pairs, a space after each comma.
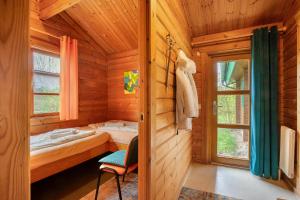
{"points": [[57, 150]]}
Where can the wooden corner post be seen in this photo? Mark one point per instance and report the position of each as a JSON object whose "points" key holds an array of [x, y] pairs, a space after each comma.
{"points": [[297, 17], [14, 134]]}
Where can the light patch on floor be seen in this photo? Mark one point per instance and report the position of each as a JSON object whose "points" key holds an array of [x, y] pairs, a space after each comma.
{"points": [[237, 183]]}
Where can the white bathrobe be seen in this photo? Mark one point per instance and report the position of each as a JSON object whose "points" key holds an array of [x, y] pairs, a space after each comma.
{"points": [[186, 94]]}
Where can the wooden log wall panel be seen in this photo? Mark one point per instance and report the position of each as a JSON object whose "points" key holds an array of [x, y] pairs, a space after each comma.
{"points": [[199, 138], [297, 17], [92, 71], [290, 76], [170, 152], [14, 130], [289, 81], [121, 106]]}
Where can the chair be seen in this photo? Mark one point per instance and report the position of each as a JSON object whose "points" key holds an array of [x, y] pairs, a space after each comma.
{"points": [[119, 163]]}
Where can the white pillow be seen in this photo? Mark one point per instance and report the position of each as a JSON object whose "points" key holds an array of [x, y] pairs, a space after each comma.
{"points": [[114, 123], [130, 123]]}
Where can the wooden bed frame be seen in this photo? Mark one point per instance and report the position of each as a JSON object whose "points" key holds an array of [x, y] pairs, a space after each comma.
{"points": [[71, 161]]}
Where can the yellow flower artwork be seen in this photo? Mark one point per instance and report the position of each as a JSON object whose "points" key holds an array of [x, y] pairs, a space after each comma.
{"points": [[131, 79]]}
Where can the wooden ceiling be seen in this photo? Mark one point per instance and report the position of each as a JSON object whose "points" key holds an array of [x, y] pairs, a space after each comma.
{"points": [[214, 16], [111, 23]]}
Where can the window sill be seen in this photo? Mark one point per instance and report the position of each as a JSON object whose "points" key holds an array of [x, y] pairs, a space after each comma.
{"points": [[40, 120]]}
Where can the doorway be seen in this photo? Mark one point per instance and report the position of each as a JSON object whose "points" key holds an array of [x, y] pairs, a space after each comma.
{"points": [[231, 110]]}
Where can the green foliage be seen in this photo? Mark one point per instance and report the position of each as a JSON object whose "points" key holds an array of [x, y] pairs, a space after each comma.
{"points": [[227, 109], [46, 104], [226, 142], [44, 89]]}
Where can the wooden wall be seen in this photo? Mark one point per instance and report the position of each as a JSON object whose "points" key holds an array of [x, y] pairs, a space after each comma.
{"points": [[290, 74], [92, 68], [289, 110], [170, 153], [298, 100], [200, 137], [14, 151], [121, 106], [289, 94]]}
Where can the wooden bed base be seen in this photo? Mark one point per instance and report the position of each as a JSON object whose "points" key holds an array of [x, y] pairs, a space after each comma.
{"points": [[63, 164]]}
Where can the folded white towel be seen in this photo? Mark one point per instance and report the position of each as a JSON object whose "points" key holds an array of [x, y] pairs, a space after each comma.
{"points": [[63, 130], [45, 141], [54, 135]]}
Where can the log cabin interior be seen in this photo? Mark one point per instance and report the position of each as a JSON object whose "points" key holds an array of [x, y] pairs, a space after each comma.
{"points": [[157, 99]]}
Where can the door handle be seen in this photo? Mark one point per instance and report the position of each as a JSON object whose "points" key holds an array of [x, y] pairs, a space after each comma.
{"points": [[215, 107]]}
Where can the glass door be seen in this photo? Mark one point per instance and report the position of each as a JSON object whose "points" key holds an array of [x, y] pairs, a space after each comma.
{"points": [[231, 110]]}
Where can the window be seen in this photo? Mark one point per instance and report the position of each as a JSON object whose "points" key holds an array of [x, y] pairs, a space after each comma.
{"points": [[46, 83]]}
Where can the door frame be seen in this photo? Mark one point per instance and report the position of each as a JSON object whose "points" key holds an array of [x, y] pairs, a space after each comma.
{"points": [[144, 146], [244, 163]]}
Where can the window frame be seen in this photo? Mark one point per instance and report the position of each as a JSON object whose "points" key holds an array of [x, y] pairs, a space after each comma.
{"points": [[49, 53]]}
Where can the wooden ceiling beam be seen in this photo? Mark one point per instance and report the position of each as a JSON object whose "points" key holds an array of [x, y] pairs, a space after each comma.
{"points": [[230, 35], [55, 7]]}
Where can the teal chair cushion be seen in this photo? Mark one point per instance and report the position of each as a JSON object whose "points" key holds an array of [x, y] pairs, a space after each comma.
{"points": [[116, 158]]}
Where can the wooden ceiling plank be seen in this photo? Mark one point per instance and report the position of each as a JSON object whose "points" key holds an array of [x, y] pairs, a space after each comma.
{"points": [[230, 35], [82, 32], [209, 17], [117, 33], [55, 7], [86, 23], [112, 24]]}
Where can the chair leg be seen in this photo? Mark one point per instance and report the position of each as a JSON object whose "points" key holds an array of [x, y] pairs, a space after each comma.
{"points": [[125, 174], [124, 177], [98, 184], [119, 188]]}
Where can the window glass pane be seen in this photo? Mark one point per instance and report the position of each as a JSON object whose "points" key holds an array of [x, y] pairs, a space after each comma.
{"points": [[46, 63], [45, 83], [233, 143], [46, 104], [233, 75], [233, 109]]}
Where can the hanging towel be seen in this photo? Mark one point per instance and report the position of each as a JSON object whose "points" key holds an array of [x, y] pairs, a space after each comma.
{"points": [[186, 94]]}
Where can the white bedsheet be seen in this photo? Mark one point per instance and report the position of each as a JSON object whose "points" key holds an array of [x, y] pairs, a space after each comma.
{"points": [[46, 140]]}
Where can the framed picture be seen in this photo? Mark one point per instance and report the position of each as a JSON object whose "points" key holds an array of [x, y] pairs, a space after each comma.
{"points": [[131, 79]]}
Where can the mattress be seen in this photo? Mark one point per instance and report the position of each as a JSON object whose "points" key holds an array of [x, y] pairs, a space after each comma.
{"points": [[50, 154]]}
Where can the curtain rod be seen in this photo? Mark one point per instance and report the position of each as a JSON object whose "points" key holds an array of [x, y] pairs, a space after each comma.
{"points": [[232, 35]]}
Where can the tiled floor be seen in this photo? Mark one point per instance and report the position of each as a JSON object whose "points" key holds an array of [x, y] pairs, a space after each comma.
{"points": [[236, 183]]}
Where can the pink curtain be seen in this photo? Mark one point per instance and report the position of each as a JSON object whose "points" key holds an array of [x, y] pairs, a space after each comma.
{"points": [[69, 79]]}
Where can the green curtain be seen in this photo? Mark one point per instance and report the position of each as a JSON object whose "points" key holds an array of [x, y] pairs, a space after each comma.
{"points": [[264, 143]]}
